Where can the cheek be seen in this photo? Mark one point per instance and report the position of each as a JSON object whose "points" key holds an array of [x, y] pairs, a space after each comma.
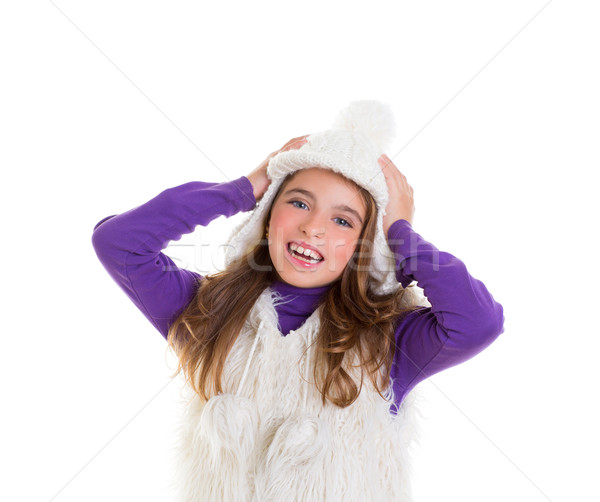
{"points": [[280, 216], [344, 253], [275, 222]]}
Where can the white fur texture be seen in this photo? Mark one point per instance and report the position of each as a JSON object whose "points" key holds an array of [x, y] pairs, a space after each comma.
{"points": [[361, 133], [277, 442], [372, 118]]}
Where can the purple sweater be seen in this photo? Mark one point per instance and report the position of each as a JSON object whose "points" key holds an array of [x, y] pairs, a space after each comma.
{"points": [[463, 320]]}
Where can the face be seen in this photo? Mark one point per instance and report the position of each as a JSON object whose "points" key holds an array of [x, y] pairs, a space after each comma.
{"points": [[318, 210]]}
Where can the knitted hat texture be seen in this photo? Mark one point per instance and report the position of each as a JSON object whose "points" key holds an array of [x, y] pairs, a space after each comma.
{"points": [[360, 133]]}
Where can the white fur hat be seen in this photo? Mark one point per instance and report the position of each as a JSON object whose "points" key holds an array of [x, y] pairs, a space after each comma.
{"points": [[360, 134]]}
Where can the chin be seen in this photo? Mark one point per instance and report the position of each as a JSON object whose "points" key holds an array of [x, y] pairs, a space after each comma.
{"points": [[308, 282]]}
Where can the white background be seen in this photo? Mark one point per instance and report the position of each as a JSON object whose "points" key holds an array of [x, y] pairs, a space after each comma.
{"points": [[105, 104]]}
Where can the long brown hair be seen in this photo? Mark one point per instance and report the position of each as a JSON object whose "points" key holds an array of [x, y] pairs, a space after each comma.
{"points": [[354, 321]]}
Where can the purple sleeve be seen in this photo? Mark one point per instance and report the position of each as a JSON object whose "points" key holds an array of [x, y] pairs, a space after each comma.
{"points": [[129, 244], [463, 318]]}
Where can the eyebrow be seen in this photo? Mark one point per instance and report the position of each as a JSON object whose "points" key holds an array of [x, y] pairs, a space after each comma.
{"points": [[310, 195]]}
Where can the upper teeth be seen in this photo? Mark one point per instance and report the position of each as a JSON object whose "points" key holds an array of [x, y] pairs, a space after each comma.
{"points": [[305, 252]]}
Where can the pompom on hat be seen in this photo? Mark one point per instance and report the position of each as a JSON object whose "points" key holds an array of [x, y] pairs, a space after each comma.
{"points": [[359, 136]]}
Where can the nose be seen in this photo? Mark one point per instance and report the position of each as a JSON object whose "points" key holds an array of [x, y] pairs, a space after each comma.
{"points": [[312, 226]]}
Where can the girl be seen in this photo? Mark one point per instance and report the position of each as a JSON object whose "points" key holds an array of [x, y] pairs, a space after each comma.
{"points": [[301, 357]]}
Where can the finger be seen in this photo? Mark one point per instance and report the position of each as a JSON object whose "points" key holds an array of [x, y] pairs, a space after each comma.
{"points": [[297, 143], [294, 140], [385, 162], [300, 139], [390, 169]]}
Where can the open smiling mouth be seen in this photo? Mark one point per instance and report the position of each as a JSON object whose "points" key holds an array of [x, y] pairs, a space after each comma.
{"points": [[305, 257]]}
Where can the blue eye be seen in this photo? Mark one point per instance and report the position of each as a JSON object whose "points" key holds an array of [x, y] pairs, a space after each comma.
{"points": [[347, 224], [297, 202]]}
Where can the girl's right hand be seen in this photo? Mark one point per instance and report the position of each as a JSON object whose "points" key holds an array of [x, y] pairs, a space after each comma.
{"points": [[258, 177]]}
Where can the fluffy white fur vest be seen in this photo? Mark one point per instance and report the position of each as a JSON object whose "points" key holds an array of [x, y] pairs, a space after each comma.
{"points": [[269, 438]]}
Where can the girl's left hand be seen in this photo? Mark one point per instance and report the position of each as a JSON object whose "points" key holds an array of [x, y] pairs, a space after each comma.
{"points": [[401, 203]]}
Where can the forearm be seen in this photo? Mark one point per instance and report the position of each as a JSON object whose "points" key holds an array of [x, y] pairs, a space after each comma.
{"points": [[129, 244], [463, 318]]}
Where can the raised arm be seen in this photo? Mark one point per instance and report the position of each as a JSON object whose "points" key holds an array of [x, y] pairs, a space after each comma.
{"points": [[463, 318], [129, 244]]}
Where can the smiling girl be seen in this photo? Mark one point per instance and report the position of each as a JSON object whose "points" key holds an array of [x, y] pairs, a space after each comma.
{"points": [[301, 357]]}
